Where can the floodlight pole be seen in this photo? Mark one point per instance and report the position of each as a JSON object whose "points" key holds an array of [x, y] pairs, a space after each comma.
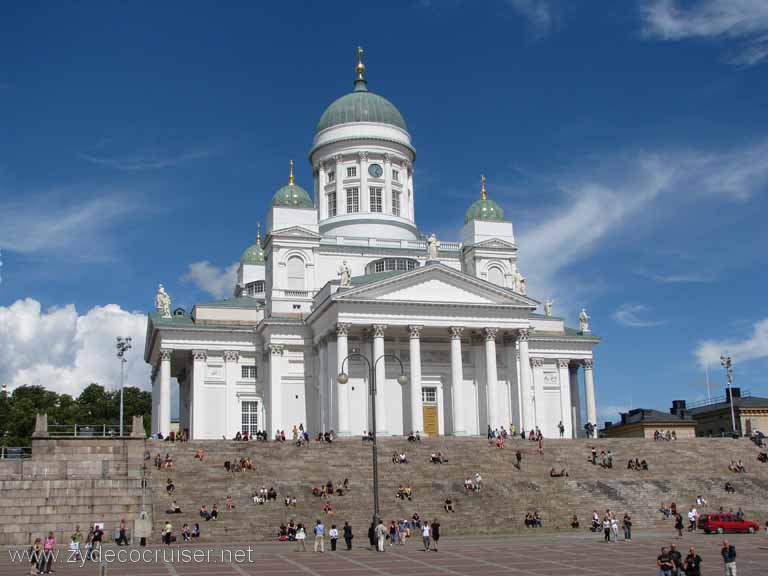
{"points": [[727, 363]]}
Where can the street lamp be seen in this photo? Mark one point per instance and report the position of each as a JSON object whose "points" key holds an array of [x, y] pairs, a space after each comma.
{"points": [[727, 363], [123, 345], [343, 378]]}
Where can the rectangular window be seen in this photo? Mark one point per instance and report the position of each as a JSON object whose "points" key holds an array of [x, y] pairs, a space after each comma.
{"points": [[248, 372], [351, 171], [332, 176], [331, 204], [250, 417], [396, 175], [429, 395], [376, 204], [353, 200], [395, 203], [380, 266]]}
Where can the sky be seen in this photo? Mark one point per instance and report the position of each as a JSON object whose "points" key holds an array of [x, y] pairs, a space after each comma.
{"points": [[627, 142]]}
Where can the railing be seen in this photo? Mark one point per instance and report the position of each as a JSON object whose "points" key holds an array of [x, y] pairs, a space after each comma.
{"points": [[716, 400], [445, 246], [84, 430], [15, 452], [297, 293]]}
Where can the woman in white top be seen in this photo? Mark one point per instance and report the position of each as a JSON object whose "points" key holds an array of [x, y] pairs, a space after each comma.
{"points": [[425, 535], [301, 536]]}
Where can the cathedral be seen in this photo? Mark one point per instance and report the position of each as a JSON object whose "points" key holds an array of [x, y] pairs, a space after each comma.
{"points": [[344, 291]]}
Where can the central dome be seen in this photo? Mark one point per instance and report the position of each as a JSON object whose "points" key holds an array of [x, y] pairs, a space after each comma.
{"points": [[361, 106]]}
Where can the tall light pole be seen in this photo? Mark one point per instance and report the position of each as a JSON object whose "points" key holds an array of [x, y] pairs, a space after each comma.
{"points": [[727, 363], [343, 378], [123, 345]]}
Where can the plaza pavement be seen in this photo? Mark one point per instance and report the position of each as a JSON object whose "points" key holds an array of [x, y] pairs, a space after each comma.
{"points": [[542, 553]]}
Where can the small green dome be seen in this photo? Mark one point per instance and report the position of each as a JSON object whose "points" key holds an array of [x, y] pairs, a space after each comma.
{"points": [[292, 195], [254, 254], [361, 106], [484, 209]]}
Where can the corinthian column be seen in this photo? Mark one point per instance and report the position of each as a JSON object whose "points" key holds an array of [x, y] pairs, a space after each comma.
{"points": [[565, 395], [342, 350], [492, 377], [381, 379], [457, 381], [417, 411], [165, 392], [525, 382], [231, 418], [589, 384]]}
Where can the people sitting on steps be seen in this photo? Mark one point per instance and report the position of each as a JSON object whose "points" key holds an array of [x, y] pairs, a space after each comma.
{"points": [[562, 474], [437, 458], [174, 509], [170, 487], [532, 520], [575, 521], [186, 533], [367, 436], [414, 437], [230, 504], [737, 467], [199, 454], [448, 505], [729, 488]]}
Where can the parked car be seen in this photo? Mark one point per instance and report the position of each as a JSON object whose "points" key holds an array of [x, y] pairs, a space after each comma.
{"points": [[726, 522]]}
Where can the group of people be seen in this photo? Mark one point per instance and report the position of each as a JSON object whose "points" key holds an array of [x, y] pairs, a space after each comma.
{"points": [[609, 524], [161, 462], [399, 458], [188, 533], [637, 464], [404, 493], [473, 484], [672, 563], [397, 532], [737, 467], [245, 463], [264, 495], [327, 489], [533, 520], [659, 436], [260, 435], [212, 514], [437, 458], [42, 551], [414, 437]]}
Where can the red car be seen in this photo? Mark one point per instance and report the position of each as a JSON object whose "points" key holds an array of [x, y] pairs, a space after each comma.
{"points": [[726, 522]]}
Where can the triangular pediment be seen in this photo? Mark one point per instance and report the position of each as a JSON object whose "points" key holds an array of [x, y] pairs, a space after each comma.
{"points": [[296, 231], [436, 284], [495, 243]]}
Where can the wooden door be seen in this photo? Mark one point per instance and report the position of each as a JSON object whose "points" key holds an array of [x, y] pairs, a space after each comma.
{"points": [[431, 427]]}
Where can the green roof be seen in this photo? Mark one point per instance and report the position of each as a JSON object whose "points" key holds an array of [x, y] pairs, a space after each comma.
{"points": [[484, 209], [361, 106], [374, 277], [253, 255], [292, 196]]}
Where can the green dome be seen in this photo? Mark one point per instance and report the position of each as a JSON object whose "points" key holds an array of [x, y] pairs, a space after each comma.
{"points": [[292, 196], [253, 255], [483, 209], [361, 106]]}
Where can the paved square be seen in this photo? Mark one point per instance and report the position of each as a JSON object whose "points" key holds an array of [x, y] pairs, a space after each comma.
{"points": [[540, 554]]}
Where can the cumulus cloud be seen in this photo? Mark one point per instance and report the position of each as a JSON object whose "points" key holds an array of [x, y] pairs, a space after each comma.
{"points": [[218, 282], [65, 351], [743, 20], [610, 412], [631, 315], [537, 12], [756, 346]]}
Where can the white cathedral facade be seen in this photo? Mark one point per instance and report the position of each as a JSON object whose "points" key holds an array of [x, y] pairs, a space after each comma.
{"points": [[346, 271]]}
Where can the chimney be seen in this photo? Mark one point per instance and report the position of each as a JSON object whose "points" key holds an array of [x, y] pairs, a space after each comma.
{"points": [[736, 393], [678, 408], [608, 424]]}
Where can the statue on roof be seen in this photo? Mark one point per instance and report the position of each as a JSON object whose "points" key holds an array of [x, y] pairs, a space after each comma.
{"points": [[432, 247], [548, 307], [345, 274], [163, 302], [519, 282], [583, 320]]}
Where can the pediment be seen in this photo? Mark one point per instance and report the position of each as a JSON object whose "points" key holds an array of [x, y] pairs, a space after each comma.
{"points": [[436, 284], [495, 243], [296, 231]]}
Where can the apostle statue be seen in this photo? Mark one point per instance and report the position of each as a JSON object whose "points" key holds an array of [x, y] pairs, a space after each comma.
{"points": [[518, 281], [163, 302], [345, 273], [548, 307], [432, 246], [583, 320]]}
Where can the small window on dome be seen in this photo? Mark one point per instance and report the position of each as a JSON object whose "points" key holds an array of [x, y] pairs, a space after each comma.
{"points": [[396, 203], [396, 175], [352, 172], [332, 176], [353, 200], [376, 200], [331, 204]]}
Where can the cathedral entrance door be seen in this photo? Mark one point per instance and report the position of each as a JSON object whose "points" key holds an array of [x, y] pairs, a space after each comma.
{"points": [[429, 400]]}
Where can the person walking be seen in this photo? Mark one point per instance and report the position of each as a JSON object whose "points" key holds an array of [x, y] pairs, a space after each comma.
{"points": [[301, 536], [167, 533], [627, 522], [607, 528], [679, 525], [519, 458], [435, 533], [692, 563], [381, 535], [372, 536], [333, 534], [348, 535], [35, 557], [728, 552], [319, 534], [425, 532], [122, 534], [74, 542], [665, 563]]}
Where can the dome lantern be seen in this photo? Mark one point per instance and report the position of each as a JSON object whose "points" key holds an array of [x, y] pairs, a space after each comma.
{"points": [[484, 209], [292, 195], [254, 255]]}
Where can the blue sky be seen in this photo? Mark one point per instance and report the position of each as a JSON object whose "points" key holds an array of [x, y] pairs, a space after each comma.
{"points": [[627, 142]]}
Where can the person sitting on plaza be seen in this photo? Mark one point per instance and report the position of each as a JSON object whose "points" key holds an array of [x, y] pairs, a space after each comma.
{"points": [[282, 533], [740, 468], [329, 488], [327, 507], [575, 521], [561, 474], [186, 533], [409, 492], [170, 487], [400, 492], [215, 512], [204, 513], [468, 485], [168, 461], [700, 500], [478, 481], [328, 438], [416, 520], [448, 505], [199, 454], [499, 441], [402, 458], [729, 488], [230, 504], [227, 465], [174, 509], [272, 494], [395, 457], [195, 531], [158, 461], [317, 491], [631, 464], [597, 525], [437, 458]]}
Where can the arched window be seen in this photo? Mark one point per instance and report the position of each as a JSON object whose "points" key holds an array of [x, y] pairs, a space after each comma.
{"points": [[295, 273], [496, 276]]}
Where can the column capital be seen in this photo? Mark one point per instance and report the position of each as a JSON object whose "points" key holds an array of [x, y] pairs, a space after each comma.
{"points": [[415, 330], [588, 362], [378, 330], [563, 363], [537, 362], [342, 328], [523, 334], [339, 159], [199, 354], [456, 332], [276, 349], [231, 355], [165, 354], [490, 333]]}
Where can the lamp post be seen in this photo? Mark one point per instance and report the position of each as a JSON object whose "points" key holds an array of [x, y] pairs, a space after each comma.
{"points": [[727, 363], [342, 379], [123, 345]]}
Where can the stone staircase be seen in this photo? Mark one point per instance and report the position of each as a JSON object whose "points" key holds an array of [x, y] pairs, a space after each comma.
{"points": [[679, 471]]}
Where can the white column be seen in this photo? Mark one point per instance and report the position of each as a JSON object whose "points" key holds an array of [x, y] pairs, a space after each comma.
{"points": [[322, 384], [510, 360], [275, 408], [231, 418], [408, 169], [491, 377], [155, 400], [565, 396], [322, 200], [386, 196], [537, 375], [381, 379], [417, 411], [341, 193], [589, 384], [527, 420], [342, 350], [199, 367], [165, 392], [573, 371], [457, 381], [365, 200]]}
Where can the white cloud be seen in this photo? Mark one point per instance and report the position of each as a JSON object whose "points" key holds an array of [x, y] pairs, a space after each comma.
{"points": [[679, 278], [64, 351], [756, 346], [218, 282], [43, 223], [631, 315], [149, 160], [610, 412], [537, 12], [743, 20]]}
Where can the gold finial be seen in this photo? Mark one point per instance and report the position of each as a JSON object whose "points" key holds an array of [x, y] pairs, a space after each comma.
{"points": [[360, 68], [258, 233], [291, 179], [483, 193]]}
